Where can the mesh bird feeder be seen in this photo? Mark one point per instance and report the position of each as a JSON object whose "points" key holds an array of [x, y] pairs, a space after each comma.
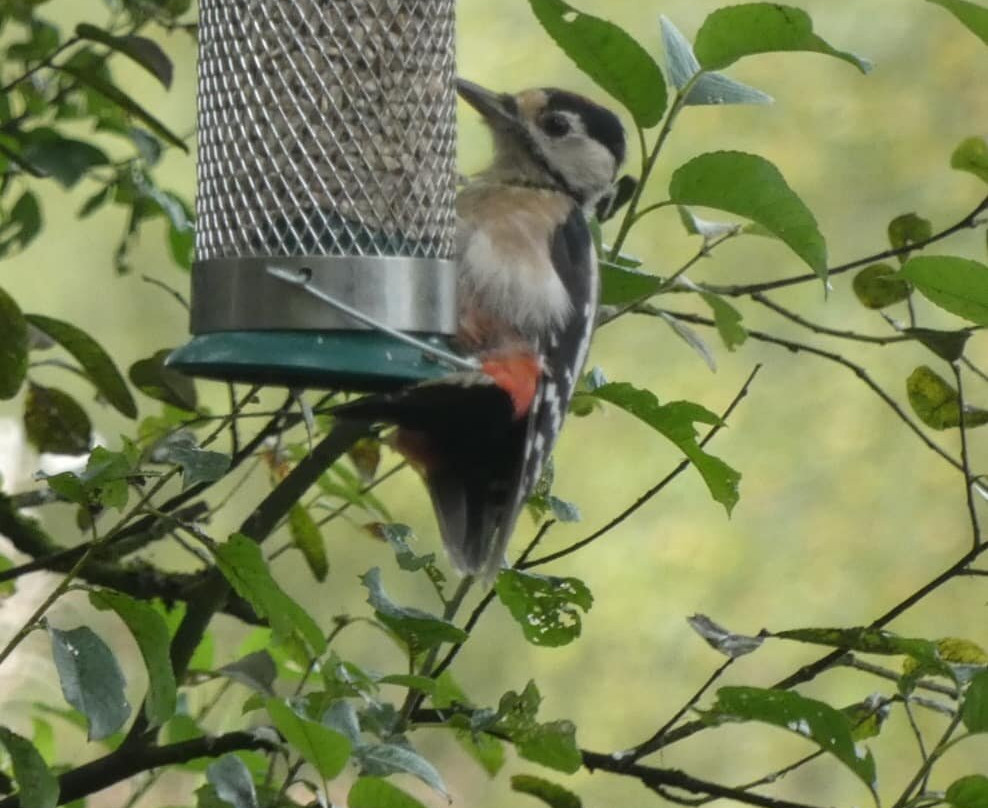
{"points": [[326, 182]]}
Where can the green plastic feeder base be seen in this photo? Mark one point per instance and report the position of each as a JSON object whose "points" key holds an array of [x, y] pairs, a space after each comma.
{"points": [[351, 360]]}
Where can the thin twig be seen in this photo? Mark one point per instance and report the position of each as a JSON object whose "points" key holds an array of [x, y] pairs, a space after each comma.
{"points": [[822, 329], [651, 492], [857, 370], [965, 459], [969, 221], [654, 742]]}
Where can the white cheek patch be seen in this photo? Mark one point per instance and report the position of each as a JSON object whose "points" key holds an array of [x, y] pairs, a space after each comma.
{"points": [[515, 281]]}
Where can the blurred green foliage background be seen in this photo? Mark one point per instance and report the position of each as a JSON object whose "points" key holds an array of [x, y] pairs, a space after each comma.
{"points": [[842, 511]]}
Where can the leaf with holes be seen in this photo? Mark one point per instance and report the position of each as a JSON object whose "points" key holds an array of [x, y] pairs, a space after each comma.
{"points": [[242, 564], [13, 347], [37, 787], [750, 186], [958, 285], [99, 368], [55, 423], [610, 56], [323, 748], [547, 608], [732, 32], [936, 402], [813, 720], [675, 422], [151, 634], [91, 679]]}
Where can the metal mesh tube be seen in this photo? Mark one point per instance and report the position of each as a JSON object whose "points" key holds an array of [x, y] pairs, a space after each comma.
{"points": [[326, 128]]}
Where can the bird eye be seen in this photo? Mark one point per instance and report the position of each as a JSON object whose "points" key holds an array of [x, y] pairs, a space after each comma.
{"points": [[556, 125]]}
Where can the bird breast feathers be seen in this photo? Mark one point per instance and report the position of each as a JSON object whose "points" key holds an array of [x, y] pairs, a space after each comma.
{"points": [[505, 261]]}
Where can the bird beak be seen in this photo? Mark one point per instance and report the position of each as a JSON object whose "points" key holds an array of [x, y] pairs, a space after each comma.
{"points": [[494, 107]]}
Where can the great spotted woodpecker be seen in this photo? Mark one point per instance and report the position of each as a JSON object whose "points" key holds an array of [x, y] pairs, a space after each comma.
{"points": [[527, 292]]}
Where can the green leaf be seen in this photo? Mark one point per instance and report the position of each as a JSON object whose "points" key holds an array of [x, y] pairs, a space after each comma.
{"points": [[971, 155], [382, 759], [21, 226], [151, 634], [417, 629], [93, 79], [156, 380], [675, 422], [727, 319], [865, 640], [257, 671], [610, 56], [879, 285], [13, 347], [553, 795], [947, 345], [972, 15], [54, 421], [7, 588], [709, 88], [906, 230], [733, 32], [231, 779], [95, 202], [547, 608], [620, 285], [242, 564], [198, 465], [958, 285], [936, 402], [325, 749], [91, 679], [552, 744], [307, 537], [65, 160], [968, 792], [146, 52], [487, 750], [750, 186], [372, 792], [37, 786], [399, 536], [100, 369], [820, 723], [975, 710], [867, 717]]}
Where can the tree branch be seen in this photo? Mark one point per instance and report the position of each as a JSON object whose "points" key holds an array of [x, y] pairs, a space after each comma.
{"points": [[120, 764], [857, 370], [651, 492], [737, 290]]}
